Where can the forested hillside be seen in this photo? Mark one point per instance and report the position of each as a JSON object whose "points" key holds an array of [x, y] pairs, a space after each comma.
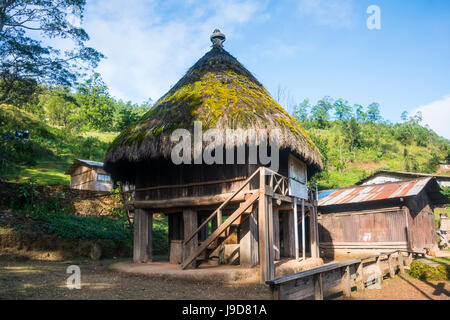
{"points": [[356, 141]]}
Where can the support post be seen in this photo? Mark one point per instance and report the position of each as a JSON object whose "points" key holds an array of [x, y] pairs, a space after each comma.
{"points": [[295, 226], [142, 238], [391, 266], [314, 233], [318, 290], [287, 219], [270, 242], [346, 286], [262, 234], [190, 225], [276, 234], [380, 270], [401, 263], [360, 277], [303, 231]]}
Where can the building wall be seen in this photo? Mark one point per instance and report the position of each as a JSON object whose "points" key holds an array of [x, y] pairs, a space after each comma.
{"points": [[421, 223], [380, 229], [410, 226], [85, 178], [382, 178]]}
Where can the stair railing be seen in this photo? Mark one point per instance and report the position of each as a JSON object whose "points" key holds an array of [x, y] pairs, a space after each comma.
{"points": [[218, 212]]}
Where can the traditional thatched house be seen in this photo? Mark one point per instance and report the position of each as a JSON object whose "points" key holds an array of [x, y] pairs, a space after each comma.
{"points": [[89, 175], [381, 217], [218, 93]]}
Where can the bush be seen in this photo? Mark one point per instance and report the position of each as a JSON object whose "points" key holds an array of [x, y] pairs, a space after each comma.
{"points": [[55, 219], [427, 270]]}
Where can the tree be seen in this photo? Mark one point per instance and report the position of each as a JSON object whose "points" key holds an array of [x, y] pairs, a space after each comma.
{"points": [[320, 112], [361, 116], [301, 111], [97, 108], [58, 104], [404, 116], [25, 59], [373, 113], [352, 133], [342, 110]]}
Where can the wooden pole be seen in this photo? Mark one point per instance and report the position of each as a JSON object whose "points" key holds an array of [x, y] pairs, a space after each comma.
{"points": [[270, 242], [401, 264], [380, 270], [261, 227], [295, 226], [347, 289], [318, 290], [303, 231], [391, 266], [360, 277]]}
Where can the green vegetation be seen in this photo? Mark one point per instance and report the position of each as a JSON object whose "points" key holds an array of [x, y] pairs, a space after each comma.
{"points": [[48, 153], [436, 269], [358, 142], [54, 218]]}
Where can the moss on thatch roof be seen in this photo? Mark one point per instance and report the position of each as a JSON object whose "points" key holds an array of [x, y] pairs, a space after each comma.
{"points": [[222, 94]]}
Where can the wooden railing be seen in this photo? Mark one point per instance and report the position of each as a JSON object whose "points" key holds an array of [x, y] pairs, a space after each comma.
{"points": [[347, 274], [218, 212]]}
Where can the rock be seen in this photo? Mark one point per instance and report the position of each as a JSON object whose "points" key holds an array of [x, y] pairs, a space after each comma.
{"points": [[96, 251]]}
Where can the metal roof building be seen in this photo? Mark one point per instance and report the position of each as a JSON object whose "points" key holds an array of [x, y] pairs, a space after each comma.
{"points": [[395, 215]]}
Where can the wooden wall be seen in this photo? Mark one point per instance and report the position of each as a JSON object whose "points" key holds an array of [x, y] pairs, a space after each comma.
{"points": [[410, 225], [85, 178]]}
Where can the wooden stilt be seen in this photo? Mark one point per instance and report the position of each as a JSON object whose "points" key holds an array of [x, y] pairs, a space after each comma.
{"points": [[303, 231], [295, 226]]}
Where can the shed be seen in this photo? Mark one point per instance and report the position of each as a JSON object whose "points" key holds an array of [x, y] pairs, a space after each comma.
{"points": [[89, 175], [383, 176], [395, 215], [207, 202]]}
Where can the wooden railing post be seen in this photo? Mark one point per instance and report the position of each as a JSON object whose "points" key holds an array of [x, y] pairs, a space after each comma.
{"points": [[380, 270], [410, 259], [360, 277], [318, 290], [346, 285], [401, 263], [391, 265]]}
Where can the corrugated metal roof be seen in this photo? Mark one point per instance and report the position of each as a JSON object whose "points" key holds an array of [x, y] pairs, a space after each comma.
{"points": [[92, 163], [372, 192]]}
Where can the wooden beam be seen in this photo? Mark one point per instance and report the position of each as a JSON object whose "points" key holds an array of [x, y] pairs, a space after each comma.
{"points": [[318, 290], [276, 234], [346, 285], [303, 231], [190, 224], [401, 263], [391, 265], [187, 201], [295, 226], [270, 242], [360, 276]]}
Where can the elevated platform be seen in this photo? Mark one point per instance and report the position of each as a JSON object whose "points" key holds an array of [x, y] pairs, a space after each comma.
{"points": [[212, 273]]}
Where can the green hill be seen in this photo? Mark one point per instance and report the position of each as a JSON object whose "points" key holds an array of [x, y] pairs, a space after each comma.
{"points": [[50, 150], [350, 154]]}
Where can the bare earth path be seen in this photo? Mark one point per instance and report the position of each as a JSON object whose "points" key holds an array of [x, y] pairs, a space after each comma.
{"points": [[47, 280]]}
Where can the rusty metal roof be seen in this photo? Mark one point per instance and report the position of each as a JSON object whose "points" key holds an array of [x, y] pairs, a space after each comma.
{"points": [[373, 192]]}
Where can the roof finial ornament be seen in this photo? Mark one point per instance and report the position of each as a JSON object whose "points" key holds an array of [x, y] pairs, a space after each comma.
{"points": [[217, 38]]}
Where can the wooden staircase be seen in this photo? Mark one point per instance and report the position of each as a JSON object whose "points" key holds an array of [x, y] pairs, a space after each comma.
{"points": [[224, 229]]}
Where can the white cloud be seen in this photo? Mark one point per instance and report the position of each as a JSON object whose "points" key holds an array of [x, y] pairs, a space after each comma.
{"points": [[335, 13], [147, 49], [437, 115]]}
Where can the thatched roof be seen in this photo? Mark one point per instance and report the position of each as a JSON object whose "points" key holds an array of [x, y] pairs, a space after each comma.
{"points": [[222, 94]]}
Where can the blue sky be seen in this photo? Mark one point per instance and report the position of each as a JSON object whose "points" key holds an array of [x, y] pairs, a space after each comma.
{"points": [[308, 48]]}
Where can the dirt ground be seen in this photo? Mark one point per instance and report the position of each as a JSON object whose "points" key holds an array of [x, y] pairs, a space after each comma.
{"points": [[34, 279]]}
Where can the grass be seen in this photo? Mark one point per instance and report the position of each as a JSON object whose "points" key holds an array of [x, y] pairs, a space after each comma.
{"points": [[50, 151], [442, 260]]}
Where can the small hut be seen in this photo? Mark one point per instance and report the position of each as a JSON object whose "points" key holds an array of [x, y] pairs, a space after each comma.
{"points": [[379, 217], [207, 203], [89, 175]]}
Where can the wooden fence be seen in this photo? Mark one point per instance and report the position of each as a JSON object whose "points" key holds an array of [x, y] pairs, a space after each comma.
{"points": [[359, 273]]}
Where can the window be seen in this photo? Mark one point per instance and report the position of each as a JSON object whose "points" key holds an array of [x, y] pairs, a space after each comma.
{"points": [[103, 177]]}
